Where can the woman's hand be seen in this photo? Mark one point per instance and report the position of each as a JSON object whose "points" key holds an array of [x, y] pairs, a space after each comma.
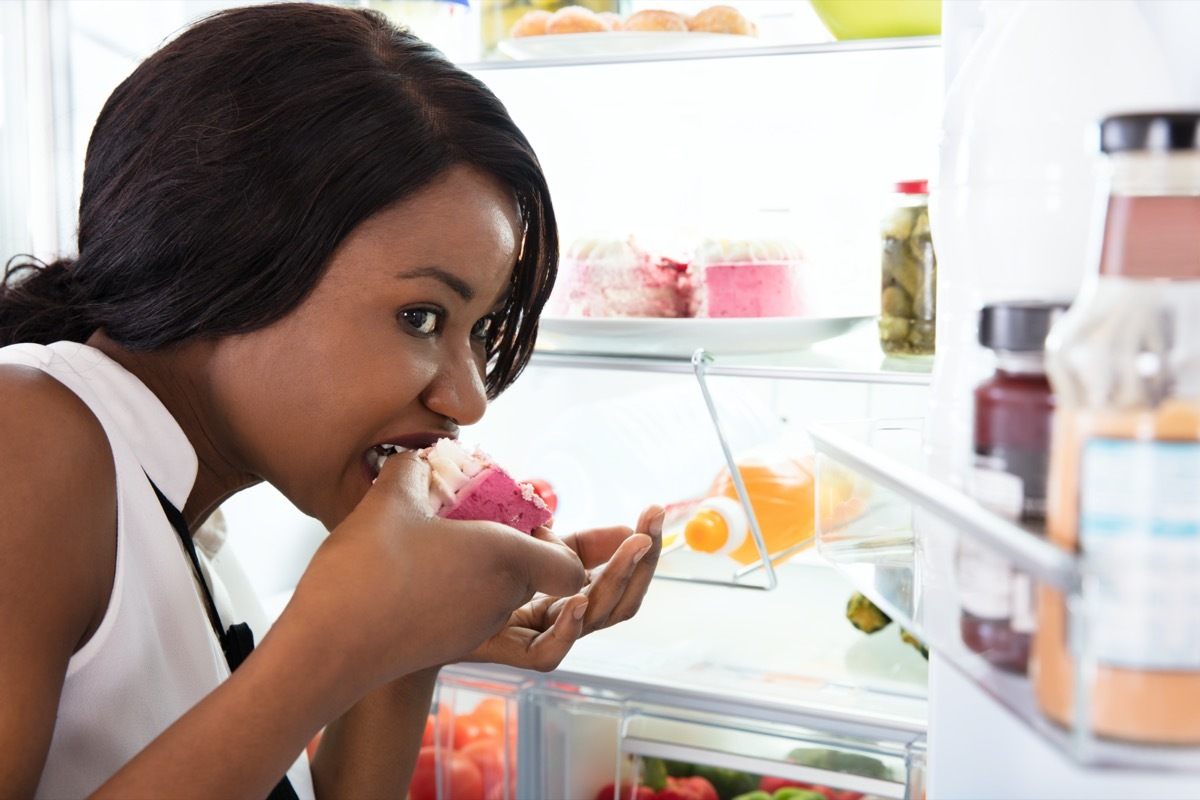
{"points": [[620, 564], [397, 589]]}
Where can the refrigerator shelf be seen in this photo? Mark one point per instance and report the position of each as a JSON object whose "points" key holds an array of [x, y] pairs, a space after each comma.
{"points": [[850, 358], [753, 50], [896, 541]]}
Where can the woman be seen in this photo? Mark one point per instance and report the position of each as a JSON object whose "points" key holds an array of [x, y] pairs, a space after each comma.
{"points": [[302, 234]]}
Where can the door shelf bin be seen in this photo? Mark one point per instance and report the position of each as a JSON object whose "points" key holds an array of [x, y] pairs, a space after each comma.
{"points": [[895, 532]]}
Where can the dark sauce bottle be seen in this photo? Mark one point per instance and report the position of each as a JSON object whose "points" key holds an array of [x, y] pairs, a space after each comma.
{"points": [[1013, 410]]}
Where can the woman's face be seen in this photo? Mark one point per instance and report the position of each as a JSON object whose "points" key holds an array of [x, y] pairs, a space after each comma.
{"points": [[388, 347]]}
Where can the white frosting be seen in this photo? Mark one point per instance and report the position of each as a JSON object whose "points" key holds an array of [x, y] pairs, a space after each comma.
{"points": [[605, 250], [453, 466], [721, 251]]}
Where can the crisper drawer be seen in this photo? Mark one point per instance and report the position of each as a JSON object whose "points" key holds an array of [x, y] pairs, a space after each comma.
{"points": [[502, 734], [598, 744], [472, 744]]}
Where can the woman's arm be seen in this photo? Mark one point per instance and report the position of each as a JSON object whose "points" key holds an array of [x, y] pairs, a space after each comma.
{"points": [[389, 594], [373, 606], [370, 750], [57, 557]]}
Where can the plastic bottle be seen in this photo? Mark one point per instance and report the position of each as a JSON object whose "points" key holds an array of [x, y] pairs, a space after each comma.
{"points": [[781, 491], [1125, 456], [1011, 205]]}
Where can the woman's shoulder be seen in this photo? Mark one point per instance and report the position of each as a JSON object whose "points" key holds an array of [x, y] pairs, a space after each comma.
{"points": [[49, 432]]}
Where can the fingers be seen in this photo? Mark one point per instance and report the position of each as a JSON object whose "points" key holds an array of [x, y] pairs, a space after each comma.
{"points": [[539, 635], [616, 593], [548, 565], [404, 480]]}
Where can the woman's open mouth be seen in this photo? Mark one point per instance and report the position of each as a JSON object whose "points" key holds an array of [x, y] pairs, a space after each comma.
{"points": [[378, 454]]}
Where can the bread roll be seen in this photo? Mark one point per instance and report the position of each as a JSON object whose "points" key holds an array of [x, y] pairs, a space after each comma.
{"points": [[654, 20], [532, 23], [722, 19], [613, 21], [575, 19]]}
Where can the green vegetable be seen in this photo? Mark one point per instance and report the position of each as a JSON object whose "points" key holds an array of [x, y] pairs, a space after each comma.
{"points": [[840, 761], [679, 769], [796, 793], [865, 615], [654, 773], [915, 642], [757, 794], [729, 783]]}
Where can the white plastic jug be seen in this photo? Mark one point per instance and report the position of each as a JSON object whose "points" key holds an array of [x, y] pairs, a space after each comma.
{"points": [[1012, 203]]}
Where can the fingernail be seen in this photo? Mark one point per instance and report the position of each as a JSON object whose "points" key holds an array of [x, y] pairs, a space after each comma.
{"points": [[638, 555], [580, 610]]}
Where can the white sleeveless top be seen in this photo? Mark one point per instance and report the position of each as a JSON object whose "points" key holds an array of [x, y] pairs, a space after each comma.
{"points": [[155, 654]]}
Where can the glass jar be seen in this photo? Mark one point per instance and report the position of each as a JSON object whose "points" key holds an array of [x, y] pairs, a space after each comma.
{"points": [[1013, 407], [907, 313], [1124, 489]]}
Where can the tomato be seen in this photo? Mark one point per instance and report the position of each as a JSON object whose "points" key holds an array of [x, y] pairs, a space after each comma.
{"points": [[440, 726], [493, 709], [545, 491], [461, 779], [471, 728], [489, 756], [627, 792]]}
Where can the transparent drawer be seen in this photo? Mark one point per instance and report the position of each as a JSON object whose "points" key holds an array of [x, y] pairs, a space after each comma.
{"points": [[604, 745], [471, 748], [903, 537]]}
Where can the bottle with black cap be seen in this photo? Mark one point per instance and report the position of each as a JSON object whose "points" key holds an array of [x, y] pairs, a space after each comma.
{"points": [[1013, 407], [1124, 490]]}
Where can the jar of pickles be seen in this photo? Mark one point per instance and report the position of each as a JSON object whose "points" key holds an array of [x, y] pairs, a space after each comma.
{"points": [[907, 313]]}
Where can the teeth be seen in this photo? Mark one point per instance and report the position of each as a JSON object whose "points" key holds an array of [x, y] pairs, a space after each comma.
{"points": [[381, 452]]}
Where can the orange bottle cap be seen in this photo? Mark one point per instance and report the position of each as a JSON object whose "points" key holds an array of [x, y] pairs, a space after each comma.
{"points": [[707, 531]]}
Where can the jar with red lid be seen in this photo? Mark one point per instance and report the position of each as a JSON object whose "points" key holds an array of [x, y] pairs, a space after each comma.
{"points": [[1012, 420], [908, 313]]}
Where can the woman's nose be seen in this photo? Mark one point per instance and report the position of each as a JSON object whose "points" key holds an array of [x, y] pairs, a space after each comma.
{"points": [[457, 391]]}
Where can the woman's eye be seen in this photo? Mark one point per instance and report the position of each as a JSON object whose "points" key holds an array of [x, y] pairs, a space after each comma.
{"points": [[421, 320], [484, 327]]}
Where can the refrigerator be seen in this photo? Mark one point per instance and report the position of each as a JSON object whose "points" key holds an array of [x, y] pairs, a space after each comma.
{"points": [[736, 673]]}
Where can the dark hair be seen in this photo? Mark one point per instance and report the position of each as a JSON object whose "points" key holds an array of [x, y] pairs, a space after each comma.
{"points": [[225, 170]]}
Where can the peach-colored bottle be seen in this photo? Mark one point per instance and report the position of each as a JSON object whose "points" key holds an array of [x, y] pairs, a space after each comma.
{"points": [[1124, 484]]}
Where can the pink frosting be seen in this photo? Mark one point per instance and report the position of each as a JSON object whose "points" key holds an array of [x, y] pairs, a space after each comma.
{"points": [[494, 496], [752, 289], [647, 288]]}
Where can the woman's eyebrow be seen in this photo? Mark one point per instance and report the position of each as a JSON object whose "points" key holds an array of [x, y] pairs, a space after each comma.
{"points": [[456, 284]]}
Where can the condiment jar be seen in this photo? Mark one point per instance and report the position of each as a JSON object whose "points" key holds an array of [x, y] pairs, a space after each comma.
{"points": [[1013, 409], [907, 318], [1124, 491]]}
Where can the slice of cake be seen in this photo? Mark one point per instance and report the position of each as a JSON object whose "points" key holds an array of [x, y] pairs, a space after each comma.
{"points": [[748, 278], [618, 277], [470, 485]]}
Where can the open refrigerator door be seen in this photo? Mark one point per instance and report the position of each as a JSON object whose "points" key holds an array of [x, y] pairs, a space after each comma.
{"points": [[1014, 213]]}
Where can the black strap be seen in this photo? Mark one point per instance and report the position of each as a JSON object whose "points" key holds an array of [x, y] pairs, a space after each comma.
{"points": [[238, 641]]}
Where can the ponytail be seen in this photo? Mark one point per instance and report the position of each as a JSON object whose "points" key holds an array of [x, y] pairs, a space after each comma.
{"points": [[39, 303]]}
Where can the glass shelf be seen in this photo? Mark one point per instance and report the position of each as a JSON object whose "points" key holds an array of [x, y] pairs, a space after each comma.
{"points": [[757, 51], [894, 535], [853, 357]]}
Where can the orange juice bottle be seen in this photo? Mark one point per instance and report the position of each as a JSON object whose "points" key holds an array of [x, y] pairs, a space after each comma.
{"points": [[1124, 478], [780, 488]]}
